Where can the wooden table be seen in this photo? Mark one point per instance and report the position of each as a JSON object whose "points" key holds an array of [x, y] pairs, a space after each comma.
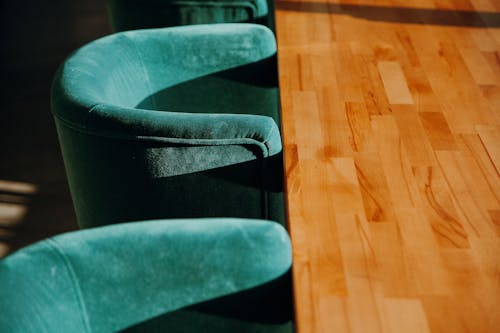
{"points": [[391, 126]]}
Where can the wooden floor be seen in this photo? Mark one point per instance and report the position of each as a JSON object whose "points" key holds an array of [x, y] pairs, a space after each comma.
{"points": [[391, 116]]}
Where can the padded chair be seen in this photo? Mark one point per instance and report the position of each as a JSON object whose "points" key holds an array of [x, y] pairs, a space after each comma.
{"points": [[208, 275], [142, 14], [173, 122]]}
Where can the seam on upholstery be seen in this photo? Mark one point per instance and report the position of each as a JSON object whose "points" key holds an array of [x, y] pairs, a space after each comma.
{"points": [[76, 285], [268, 138], [73, 125], [161, 139]]}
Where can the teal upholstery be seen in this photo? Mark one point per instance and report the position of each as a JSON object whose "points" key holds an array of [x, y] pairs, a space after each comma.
{"points": [[208, 275], [172, 122], [141, 14]]}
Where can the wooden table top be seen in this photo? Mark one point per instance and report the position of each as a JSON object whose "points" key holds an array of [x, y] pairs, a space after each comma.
{"points": [[391, 128]]}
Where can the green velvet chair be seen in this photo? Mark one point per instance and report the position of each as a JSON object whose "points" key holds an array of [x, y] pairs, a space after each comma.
{"points": [[210, 275], [173, 122], [142, 14]]}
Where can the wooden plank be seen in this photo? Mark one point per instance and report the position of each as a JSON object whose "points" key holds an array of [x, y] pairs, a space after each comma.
{"points": [[423, 252], [476, 220], [393, 261], [407, 315], [437, 130], [490, 136], [394, 82], [359, 123], [395, 162], [479, 67], [363, 309], [374, 188], [414, 138]]}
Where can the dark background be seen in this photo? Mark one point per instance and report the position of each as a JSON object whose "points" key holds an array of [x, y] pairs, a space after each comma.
{"points": [[36, 36]]}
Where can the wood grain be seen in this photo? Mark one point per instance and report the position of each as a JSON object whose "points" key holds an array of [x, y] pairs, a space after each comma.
{"points": [[391, 128]]}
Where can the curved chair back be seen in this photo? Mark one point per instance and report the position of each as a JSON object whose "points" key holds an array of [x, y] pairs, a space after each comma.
{"points": [[172, 122], [172, 275], [143, 14]]}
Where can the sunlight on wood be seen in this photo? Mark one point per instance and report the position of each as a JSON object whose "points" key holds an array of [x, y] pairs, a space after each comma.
{"points": [[4, 249], [11, 214], [15, 187], [391, 129]]}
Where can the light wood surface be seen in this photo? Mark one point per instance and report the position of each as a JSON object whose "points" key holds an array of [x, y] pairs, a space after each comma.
{"points": [[391, 127]]}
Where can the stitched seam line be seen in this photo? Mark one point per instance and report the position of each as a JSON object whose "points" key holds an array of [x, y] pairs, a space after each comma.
{"points": [[268, 139], [162, 139], [75, 283]]}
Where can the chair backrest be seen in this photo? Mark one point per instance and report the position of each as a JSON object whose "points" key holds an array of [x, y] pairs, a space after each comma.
{"points": [[125, 68], [110, 278], [142, 14], [126, 163]]}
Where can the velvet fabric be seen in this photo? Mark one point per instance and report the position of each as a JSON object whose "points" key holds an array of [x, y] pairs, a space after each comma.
{"points": [[209, 275], [142, 14], [172, 122]]}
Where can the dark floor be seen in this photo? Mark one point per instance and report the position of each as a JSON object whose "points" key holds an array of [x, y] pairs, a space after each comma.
{"points": [[35, 37]]}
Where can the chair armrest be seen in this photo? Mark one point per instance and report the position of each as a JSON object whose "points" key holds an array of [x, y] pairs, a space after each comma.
{"points": [[190, 129]]}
